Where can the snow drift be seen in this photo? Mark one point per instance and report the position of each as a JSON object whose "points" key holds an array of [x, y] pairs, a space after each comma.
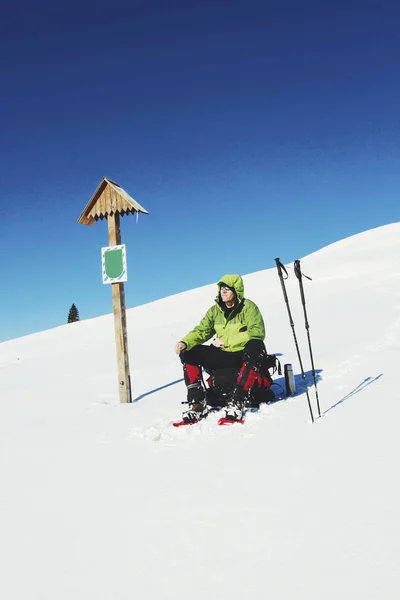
{"points": [[108, 501]]}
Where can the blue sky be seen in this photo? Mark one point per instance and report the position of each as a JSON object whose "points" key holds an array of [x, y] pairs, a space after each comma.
{"points": [[248, 130]]}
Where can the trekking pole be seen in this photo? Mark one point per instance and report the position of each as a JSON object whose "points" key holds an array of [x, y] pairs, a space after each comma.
{"points": [[280, 266], [299, 276]]}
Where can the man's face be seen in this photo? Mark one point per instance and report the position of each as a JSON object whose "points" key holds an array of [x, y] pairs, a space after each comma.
{"points": [[226, 294]]}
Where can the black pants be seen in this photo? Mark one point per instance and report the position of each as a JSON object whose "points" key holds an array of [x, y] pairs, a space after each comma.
{"points": [[212, 358], [247, 365]]}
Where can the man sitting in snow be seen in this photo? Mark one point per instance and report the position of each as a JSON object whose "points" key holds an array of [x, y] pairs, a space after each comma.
{"points": [[238, 327]]}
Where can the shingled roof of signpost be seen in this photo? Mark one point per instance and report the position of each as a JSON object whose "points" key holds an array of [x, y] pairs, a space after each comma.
{"points": [[109, 198]]}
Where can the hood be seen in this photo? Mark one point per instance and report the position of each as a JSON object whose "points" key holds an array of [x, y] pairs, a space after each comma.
{"points": [[234, 281]]}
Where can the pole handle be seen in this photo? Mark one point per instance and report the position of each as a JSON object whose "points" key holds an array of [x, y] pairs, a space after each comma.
{"points": [[297, 271]]}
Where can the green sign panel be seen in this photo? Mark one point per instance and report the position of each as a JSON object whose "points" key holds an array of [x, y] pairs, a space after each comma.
{"points": [[114, 264]]}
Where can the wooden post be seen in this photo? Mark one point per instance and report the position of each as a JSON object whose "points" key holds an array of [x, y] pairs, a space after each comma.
{"points": [[121, 334], [109, 202]]}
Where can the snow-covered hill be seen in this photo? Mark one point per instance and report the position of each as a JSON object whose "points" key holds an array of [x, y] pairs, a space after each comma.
{"points": [[107, 501]]}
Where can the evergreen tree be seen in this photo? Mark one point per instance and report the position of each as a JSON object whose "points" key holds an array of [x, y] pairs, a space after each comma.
{"points": [[73, 314]]}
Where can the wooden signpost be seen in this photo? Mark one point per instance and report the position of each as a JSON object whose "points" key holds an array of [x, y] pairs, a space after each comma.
{"points": [[110, 202]]}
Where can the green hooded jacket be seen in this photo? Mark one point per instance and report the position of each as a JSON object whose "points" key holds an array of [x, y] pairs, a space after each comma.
{"points": [[242, 324]]}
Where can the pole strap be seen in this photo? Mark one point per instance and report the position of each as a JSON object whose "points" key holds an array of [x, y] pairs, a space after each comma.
{"points": [[281, 266], [297, 271]]}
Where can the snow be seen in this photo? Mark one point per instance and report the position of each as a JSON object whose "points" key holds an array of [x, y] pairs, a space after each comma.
{"points": [[109, 501]]}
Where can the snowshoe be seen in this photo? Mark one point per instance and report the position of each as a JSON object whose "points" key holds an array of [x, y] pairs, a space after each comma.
{"points": [[234, 410]]}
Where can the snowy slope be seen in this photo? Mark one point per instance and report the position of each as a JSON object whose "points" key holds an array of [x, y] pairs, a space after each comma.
{"points": [[108, 501]]}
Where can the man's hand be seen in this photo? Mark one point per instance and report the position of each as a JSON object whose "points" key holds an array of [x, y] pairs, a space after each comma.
{"points": [[218, 343], [180, 347]]}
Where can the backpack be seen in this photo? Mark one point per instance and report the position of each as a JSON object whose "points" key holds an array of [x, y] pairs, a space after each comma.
{"points": [[221, 382]]}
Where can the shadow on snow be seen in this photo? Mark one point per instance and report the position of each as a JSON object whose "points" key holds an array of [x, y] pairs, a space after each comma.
{"points": [[280, 381], [361, 386], [162, 387], [300, 388]]}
